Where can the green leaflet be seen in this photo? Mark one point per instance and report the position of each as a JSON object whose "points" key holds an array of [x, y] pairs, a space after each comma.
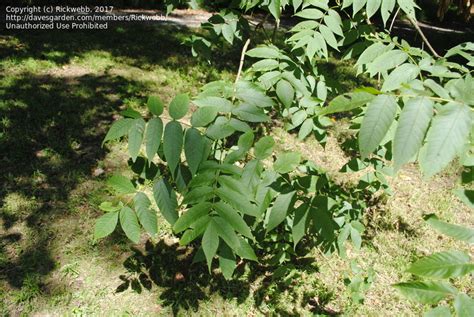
{"points": [[300, 223], [245, 251], [372, 52], [196, 230], [265, 65], [386, 9], [109, 207], [357, 5], [227, 262], [179, 106], [173, 144], [412, 125], [372, 7], [121, 184], [454, 231], [408, 6], [400, 75], [446, 137], [264, 52], [146, 215], [312, 14], [135, 137], [264, 147], [306, 128], [105, 225], [275, 8], [165, 198], [210, 243], [250, 113], [155, 105], [227, 233], [118, 129], [198, 194], [221, 104], [220, 129], [334, 22], [131, 113], [129, 224], [347, 102], [429, 292], [203, 116], [233, 218], [244, 144], [252, 94], [280, 210], [153, 134], [386, 61], [238, 201], [191, 216], [464, 305], [285, 92], [194, 149], [447, 264], [287, 162], [377, 121], [235, 185], [329, 36]]}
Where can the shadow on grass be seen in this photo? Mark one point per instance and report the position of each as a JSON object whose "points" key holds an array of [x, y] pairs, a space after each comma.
{"points": [[184, 284], [52, 124], [51, 143]]}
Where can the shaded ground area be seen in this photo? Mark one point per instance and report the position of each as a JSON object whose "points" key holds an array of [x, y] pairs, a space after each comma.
{"points": [[59, 93]]}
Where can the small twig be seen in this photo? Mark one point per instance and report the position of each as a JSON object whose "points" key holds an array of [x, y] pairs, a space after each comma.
{"points": [[241, 65], [418, 29], [393, 20]]}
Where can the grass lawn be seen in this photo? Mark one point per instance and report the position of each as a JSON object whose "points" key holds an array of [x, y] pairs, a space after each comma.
{"points": [[60, 91]]}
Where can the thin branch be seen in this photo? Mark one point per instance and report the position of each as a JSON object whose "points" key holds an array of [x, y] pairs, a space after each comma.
{"points": [[241, 65], [418, 29], [393, 20]]}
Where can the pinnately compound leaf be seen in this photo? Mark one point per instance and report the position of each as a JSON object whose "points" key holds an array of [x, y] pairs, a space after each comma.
{"points": [[377, 121]]}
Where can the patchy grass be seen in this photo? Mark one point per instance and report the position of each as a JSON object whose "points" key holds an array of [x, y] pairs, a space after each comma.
{"points": [[58, 96]]}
